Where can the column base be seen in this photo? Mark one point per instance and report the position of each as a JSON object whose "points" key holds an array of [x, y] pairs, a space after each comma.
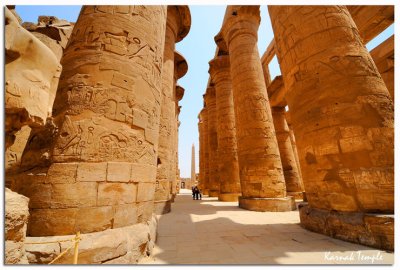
{"points": [[305, 196], [162, 207], [268, 204], [369, 229], [213, 193], [229, 197], [205, 192], [104, 247], [173, 195], [296, 195]]}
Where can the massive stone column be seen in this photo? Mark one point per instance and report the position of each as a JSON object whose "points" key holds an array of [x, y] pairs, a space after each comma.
{"points": [[213, 184], [201, 152], [228, 165], [294, 186], [292, 178], [177, 28], [342, 116], [193, 167], [179, 93], [107, 108], [205, 156], [294, 147], [261, 176]]}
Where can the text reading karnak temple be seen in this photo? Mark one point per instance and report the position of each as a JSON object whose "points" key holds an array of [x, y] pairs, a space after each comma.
{"points": [[92, 120]]}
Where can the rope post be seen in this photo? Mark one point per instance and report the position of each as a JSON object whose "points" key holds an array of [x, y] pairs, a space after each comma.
{"points": [[77, 239]]}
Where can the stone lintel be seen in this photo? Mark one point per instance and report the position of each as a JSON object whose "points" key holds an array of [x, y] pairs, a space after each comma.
{"points": [[382, 53], [374, 230], [371, 20], [268, 204], [276, 92], [269, 53]]}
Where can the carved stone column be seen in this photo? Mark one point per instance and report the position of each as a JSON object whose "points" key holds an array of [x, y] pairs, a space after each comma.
{"points": [[295, 152], [292, 179], [294, 186], [342, 116], [205, 156], [177, 28], [201, 151], [261, 175], [228, 165], [107, 107], [213, 184], [179, 93]]}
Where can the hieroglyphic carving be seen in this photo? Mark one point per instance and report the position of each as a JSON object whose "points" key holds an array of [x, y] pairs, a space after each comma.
{"points": [[108, 105]]}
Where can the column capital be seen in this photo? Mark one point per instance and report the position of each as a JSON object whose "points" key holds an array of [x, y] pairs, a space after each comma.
{"points": [[181, 65], [219, 65], [240, 20], [201, 115], [180, 91], [179, 21]]}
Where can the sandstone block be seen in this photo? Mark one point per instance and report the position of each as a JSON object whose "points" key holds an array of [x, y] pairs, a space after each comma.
{"points": [[91, 172], [145, 192], [116, 193], [94, 219], [118, 171], [74, 195], [62, 173]]}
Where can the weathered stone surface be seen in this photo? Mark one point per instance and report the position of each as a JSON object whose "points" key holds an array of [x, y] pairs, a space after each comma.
{"points": [[13, 154], [116, 193], [357, 227], [16, 219], [228, 165], [112, 70], [213, 176], [336, 112], [383, 56], [205, 151], [293, 182], [122, 245], [371, 20], [177, 27], [53, 32], [31, 78], [261, 174]]}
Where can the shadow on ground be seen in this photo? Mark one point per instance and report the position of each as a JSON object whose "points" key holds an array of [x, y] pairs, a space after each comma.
{"points": [[213, 232]]}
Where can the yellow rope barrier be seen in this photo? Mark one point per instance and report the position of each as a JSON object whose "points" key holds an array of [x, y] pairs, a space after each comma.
{"points": [[76, 241], [60, 255]]}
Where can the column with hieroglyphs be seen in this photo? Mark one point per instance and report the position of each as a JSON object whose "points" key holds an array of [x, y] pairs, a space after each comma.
{"points": [[228, 164], [213, 180], [178, 25], [261, 175], [342, 117], [107, 108]]}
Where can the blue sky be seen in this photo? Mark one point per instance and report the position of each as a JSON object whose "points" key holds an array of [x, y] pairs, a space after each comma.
{"points": [[198, 48]]}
